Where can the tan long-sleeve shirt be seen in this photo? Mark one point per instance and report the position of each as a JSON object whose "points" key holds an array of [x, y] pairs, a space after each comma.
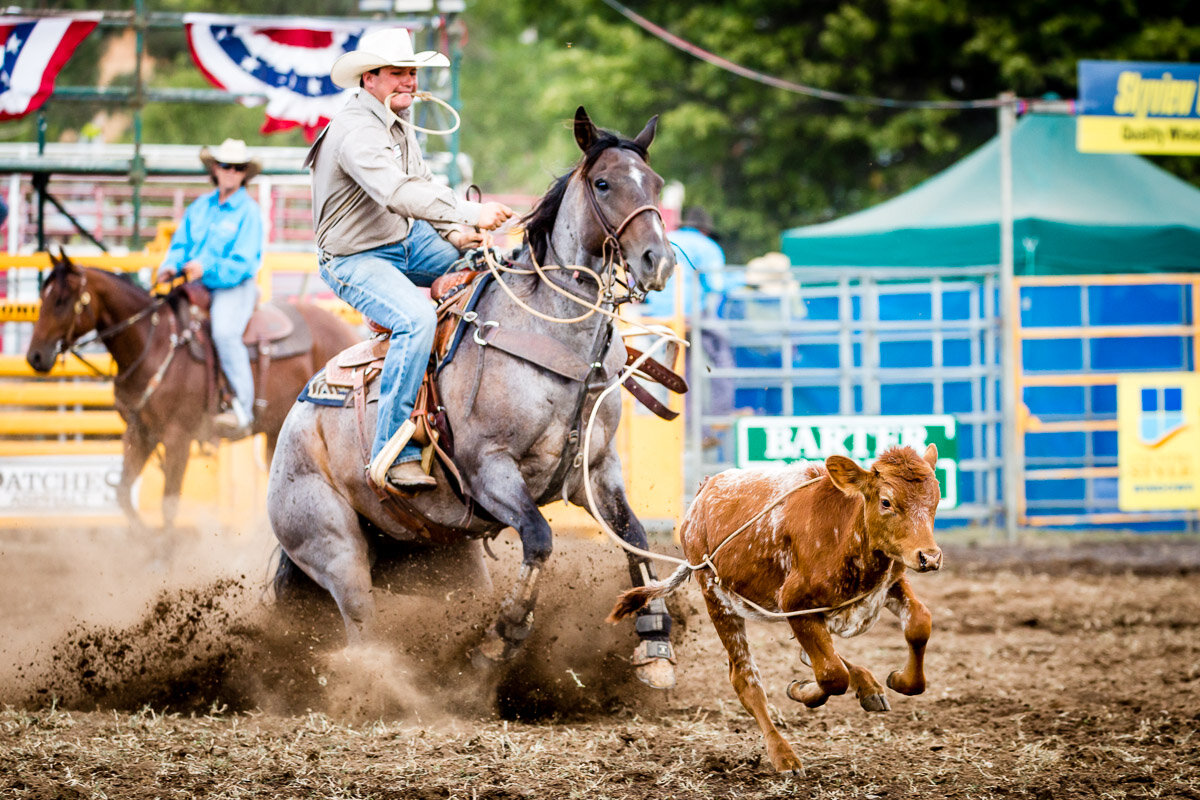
{"points": [[370, 181]]}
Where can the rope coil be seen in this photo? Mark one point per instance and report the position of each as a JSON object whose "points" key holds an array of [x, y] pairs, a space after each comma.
{"points": [[394, 117]]}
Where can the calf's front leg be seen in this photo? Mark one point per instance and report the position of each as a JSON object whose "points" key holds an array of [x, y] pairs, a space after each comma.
{"points": [[828, 668], [918, 624]]}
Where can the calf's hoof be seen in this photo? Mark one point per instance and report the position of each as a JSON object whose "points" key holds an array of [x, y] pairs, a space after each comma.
{"points": [[875, 702], [783, 759], [654, 664], [897, 683], [807, 692]]}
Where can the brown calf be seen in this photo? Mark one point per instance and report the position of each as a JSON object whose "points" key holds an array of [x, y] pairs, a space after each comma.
{"points": [[838, 543]]}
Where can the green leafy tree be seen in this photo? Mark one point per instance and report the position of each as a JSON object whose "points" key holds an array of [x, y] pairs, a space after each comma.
{"points": [[763, 159]]}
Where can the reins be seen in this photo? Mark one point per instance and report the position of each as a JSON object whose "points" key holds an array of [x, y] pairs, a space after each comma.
{"points": [[82, 301]]}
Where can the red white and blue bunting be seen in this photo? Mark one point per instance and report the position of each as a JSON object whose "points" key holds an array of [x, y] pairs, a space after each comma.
{"points": [[288, 62], [35, 49]]}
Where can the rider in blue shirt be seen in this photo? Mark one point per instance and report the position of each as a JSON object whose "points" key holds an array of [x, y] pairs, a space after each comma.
{"points": [[219, 242]]}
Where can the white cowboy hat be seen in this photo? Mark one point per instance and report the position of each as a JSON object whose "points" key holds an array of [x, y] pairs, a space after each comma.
{"points": [[231, 151], [385, 47]]}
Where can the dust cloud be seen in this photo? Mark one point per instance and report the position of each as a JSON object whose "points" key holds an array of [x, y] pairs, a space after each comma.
{"points": [[94, 619]]}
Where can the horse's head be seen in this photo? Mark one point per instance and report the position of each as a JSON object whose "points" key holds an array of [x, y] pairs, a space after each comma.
{"points": [[66, 313], [606, 210]]}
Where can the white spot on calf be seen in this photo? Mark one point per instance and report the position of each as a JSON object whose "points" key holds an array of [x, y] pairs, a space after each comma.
{"points": [[859, 617]]}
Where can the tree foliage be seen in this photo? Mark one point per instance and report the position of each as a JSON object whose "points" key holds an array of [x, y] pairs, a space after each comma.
{"points": [[762, 159]]}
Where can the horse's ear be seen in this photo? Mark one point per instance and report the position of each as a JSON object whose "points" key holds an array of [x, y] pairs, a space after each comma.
{"points": [[644, 138], [62, 260], [585, 132]]}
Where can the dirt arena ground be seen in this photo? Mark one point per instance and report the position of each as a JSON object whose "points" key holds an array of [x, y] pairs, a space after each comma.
{"points": [[1059, 668]]}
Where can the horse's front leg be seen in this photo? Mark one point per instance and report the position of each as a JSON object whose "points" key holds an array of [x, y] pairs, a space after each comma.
{"points": [[502, 491], [137, 445], [177, 445], [653, 658], [918, 624]]}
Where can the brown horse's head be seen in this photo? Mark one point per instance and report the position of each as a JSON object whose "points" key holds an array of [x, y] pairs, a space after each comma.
{"points": [[606, 210], [901, 495], [66, 313]]}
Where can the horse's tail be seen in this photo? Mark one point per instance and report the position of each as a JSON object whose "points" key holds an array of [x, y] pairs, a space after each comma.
{"points": [[631, 600], [291, 584]]}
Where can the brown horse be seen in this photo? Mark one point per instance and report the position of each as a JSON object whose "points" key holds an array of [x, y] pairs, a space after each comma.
{"points": [[165, 388]]}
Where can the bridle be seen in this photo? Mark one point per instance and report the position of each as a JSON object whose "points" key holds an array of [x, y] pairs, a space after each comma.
{"points": [[71, 345], [610, 249], [68, 342]]}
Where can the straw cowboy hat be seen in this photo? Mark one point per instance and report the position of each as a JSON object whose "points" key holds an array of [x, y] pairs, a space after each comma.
{"points": [[771, 273], [231, 151], [385, 47]]}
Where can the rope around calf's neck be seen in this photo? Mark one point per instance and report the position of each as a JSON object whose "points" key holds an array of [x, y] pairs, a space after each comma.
{"points": [[706, 562]]}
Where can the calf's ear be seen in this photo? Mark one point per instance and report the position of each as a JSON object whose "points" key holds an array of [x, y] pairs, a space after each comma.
{"points": [[931, 455], [846, 475]]}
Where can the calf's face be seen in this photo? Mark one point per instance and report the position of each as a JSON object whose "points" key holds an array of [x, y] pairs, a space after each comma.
{"points": [[901, 494]]}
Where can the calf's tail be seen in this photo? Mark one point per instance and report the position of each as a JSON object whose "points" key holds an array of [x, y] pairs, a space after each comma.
{"points": [[631, 600]]}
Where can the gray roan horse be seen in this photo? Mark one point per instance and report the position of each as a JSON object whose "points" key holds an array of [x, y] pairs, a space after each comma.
{"points": [[515, 425]]}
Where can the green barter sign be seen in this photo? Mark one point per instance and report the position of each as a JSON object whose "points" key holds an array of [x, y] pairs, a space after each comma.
{"points": [[763, 441]]}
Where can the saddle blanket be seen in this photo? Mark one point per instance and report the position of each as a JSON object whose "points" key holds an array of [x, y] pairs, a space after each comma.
{"points": [[318, 391]]}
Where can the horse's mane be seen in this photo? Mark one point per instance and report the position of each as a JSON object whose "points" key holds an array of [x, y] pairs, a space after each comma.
{"points": [[62, 269], [539, 222]]}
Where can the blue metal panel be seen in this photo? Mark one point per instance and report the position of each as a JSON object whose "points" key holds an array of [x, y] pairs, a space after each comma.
{"points": [[906, 398], [1138, 304], [894, 355]]}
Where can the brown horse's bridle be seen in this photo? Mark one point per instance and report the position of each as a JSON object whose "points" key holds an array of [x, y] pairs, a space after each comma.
{"points": [[610, 250], [68, 345], [83, 301]]}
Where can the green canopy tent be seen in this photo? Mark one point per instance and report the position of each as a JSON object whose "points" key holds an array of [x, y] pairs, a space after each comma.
{"points": [[1073, 213]]}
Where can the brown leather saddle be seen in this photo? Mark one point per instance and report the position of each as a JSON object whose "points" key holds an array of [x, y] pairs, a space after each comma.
{"points": [[276, 330]]}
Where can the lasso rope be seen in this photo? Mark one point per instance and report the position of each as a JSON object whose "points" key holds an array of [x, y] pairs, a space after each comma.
{"points": [[664, 336], [394, 117]]}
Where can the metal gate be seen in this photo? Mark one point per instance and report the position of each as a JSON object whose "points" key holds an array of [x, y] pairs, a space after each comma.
{"points": [[867, 342]]}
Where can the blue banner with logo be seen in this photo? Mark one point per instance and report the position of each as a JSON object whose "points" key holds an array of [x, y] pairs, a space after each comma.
{"points": [[1138, 107]]}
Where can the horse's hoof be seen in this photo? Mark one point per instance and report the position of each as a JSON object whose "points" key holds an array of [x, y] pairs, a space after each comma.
{"points": [[875, 702], [654, 663], [658, 673], [490, 653]]}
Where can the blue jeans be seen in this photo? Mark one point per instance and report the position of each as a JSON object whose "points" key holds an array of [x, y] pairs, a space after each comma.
{"points": [[382, 284], [229, 313]]}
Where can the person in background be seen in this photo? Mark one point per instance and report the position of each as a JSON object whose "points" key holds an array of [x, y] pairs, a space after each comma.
{"points": [[385, 227], [695, 240], [219, 242], [698, 249]]}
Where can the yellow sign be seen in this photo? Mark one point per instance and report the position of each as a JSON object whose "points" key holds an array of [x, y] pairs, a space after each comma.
{"points": [[1151, 136], [1158, 441]]}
